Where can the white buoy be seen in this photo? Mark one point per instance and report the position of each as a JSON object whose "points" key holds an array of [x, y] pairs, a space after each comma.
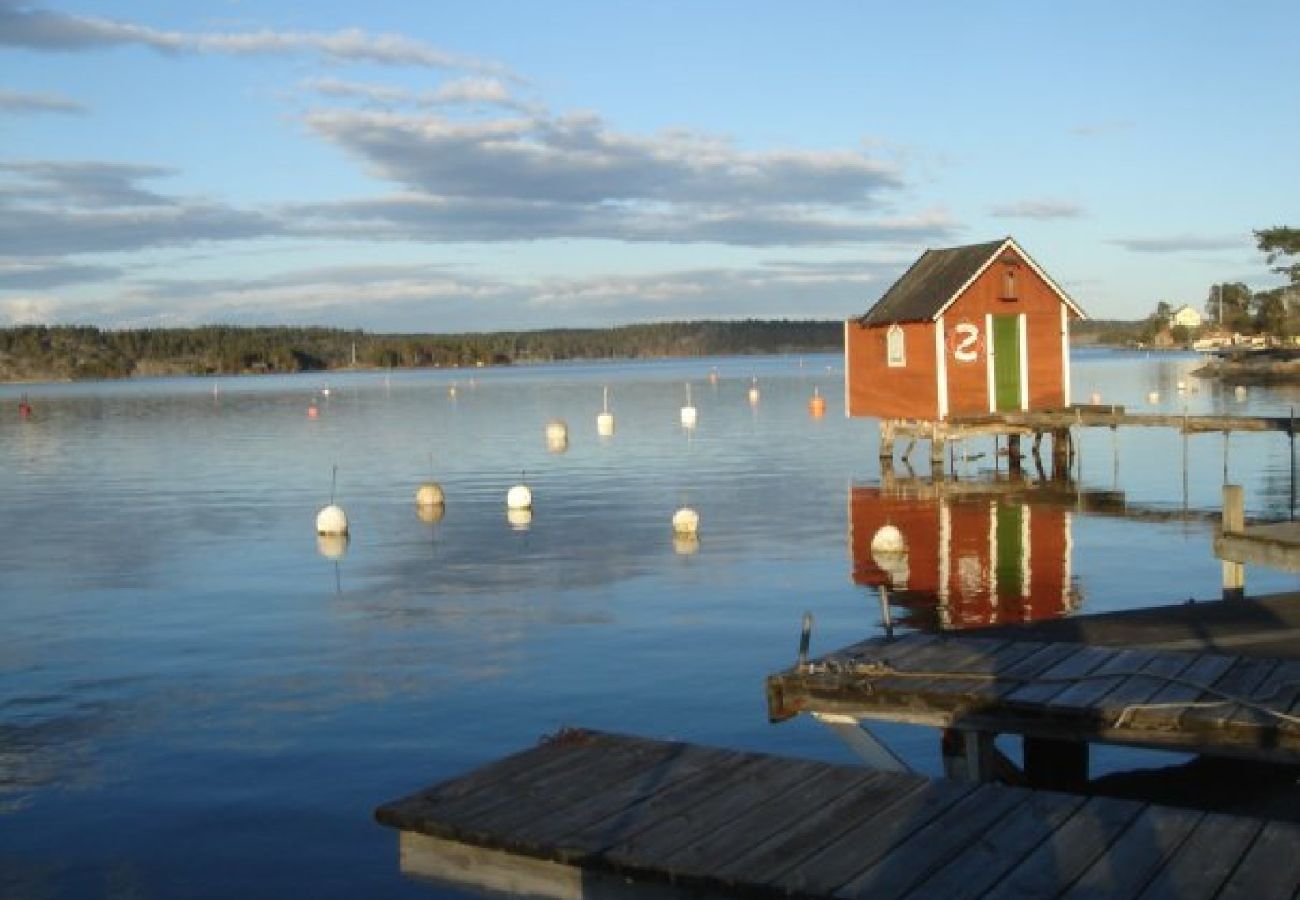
{"points": [[1239, 392], [324, 392], [753, 392], [1182, 387], [519, 497], [888, 539], [332, 520], [332, 546], [605, 420], [688, 411], [1153, 397], [429, 494], [557, 436], [451, 392], [686, 521]]}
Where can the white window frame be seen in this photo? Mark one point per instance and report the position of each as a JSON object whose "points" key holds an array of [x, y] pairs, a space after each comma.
{"points": [[895, 347]]}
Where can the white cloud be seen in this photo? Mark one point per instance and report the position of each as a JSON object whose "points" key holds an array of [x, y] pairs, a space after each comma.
{"points": [[576, 158], [36, 28], [431, 298], [26, 273], [1042, 208], [27, 102], [1183, 243], [479, 91], [28, 310]]}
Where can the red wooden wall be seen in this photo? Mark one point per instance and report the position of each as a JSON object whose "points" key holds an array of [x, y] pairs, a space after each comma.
{"points": [[874, 389]]}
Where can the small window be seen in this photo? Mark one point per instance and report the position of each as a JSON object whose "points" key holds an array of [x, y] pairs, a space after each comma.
{"points": [[1009, 284], [894, 347]]}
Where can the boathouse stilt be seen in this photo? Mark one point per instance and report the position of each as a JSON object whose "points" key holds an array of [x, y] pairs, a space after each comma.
{"points": [[1062, 450], [1234, 522], [968, 755]]}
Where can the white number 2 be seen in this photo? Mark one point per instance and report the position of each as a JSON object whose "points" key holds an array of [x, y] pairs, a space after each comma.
{"points": [[966, 342]]}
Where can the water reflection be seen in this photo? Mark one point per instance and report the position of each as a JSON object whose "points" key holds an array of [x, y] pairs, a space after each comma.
{"points": [[332, 546], [686, 544], [431, 514], [972, 552]]}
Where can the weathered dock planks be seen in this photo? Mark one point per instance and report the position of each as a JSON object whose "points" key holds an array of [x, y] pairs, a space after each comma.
{"points": [[1206, 702], [591, 814]]}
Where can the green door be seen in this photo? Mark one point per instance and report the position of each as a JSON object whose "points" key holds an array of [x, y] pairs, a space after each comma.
{"points": [[1006, 362], [1010, 534]]}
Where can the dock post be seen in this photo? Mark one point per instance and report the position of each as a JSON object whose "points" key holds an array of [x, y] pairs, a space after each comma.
{"points": [[887, 439], [1013, 454], [1056, 765], [938, 451], [885, 618], [1234, 522], [1060, 453], [968, 755]]}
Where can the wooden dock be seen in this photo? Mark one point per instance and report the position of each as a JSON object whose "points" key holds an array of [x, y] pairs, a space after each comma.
{"points": [[1212, 703], [1264, 626], [1059, 423], [592, 815]]}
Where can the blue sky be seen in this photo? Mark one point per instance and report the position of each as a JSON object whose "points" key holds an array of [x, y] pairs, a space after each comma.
{"points": [[439, 167]]}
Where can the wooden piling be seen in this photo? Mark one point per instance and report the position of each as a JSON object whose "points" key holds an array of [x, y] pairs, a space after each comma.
{"points": [[1234, 522]]}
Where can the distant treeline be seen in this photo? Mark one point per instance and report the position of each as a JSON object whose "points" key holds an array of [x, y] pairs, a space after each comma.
{"points": [[1107, 332], [49, 353]]}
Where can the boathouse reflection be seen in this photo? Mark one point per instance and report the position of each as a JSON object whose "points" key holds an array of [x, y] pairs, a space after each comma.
{"points": [[975, 553]]}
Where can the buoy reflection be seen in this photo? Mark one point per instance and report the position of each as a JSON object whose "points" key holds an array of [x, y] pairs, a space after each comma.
{"points": [[431, 513], [332, 546], [686, 544], [519, 519]]}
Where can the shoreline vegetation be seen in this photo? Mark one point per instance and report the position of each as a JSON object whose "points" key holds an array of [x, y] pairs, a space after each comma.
{"points": [[69, 353]]}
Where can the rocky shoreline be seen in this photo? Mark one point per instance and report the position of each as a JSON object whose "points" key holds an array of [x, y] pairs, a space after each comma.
{"points": [[1254, 367]]}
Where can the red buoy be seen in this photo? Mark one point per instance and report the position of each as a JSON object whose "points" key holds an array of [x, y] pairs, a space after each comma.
{"points": [[24, 409]]}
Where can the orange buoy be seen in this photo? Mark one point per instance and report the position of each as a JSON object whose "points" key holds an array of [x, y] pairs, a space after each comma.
{"points": [[817, 405], [312, 411]]}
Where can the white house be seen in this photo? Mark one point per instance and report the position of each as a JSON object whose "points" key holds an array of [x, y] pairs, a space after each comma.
{"points": [[1187, 317]]}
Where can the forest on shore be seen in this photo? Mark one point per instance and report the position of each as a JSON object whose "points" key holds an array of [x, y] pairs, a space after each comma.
{"points": [[46, 353]]}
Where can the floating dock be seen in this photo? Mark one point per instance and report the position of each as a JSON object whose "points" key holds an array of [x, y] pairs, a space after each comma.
{"points": [[594, 815], [1213, 703]]}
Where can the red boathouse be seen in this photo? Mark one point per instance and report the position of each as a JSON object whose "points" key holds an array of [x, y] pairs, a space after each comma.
{"points": [[966, 331]]}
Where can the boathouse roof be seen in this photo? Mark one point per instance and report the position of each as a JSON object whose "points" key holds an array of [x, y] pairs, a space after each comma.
{"points": [[939, 277]]}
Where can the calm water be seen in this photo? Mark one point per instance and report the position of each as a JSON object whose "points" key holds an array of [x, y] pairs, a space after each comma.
{"points": [[197, 702]]}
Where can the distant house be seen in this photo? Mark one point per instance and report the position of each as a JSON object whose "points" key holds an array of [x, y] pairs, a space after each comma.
{"points": [[1186, 317], [966, 331]]}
